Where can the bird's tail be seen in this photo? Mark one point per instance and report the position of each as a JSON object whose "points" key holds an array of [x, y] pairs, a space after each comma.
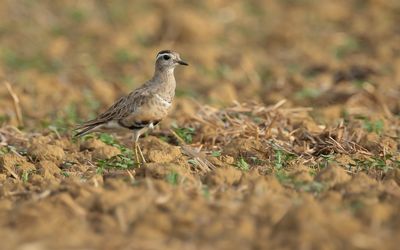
{"points": [[84, 131], [86, 128]]}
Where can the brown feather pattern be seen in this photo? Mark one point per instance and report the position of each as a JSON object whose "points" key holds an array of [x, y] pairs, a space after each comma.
{"points": [[146, 105]]}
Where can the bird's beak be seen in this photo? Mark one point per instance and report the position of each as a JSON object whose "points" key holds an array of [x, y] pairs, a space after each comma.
{"points": [[182, 62]]}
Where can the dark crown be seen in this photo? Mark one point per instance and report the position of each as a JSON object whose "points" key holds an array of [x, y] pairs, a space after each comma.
{"points": [[164, 51]]}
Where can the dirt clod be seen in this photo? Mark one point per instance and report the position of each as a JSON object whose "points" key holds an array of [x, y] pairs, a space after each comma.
{"points": [[48, 167], [15, 165], [100, 150], [161, 152], [333, 175], [46, 152], [283, 132], [224, 176]]}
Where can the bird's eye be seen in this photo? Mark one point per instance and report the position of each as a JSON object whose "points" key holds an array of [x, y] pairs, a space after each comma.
{"points": [[166, 57]]}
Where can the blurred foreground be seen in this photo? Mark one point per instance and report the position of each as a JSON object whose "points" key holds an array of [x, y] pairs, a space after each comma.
{"points": [[285, 132]]}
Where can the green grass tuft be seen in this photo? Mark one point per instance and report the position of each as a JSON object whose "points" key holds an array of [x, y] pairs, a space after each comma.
{"points": [[172, 178], [121, 161], [185, 133], [373, 126], [242, 164]]}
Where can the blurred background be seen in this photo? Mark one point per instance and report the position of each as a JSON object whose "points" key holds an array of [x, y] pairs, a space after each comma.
{"points": [[281, 178], [68, 60]]}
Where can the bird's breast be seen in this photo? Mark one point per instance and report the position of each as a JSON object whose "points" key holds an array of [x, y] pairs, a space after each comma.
{"points": [[162, 101]]}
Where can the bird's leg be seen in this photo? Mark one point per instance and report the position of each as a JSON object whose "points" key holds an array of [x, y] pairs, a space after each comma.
{"points": [[136, 135], [139, 158], [135, 151], [141, 154]]}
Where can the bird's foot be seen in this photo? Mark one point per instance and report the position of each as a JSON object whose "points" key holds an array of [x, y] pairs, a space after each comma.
{"points": [[139, 158]]}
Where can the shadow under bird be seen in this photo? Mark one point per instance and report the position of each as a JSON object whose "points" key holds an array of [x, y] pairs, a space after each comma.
{"points": [[144, 107]]}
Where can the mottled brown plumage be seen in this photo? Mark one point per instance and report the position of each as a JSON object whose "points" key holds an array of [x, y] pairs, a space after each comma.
{"points": [[144, 107]]}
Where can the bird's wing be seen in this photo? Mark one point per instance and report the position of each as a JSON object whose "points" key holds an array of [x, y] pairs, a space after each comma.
{"points": [[122, 108]]}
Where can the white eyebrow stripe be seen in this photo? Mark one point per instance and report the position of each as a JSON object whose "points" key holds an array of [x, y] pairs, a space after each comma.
{"points": [[163, 54]]}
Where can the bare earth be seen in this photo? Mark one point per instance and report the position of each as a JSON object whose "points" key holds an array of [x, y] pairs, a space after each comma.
{"points": [[284, 134]]}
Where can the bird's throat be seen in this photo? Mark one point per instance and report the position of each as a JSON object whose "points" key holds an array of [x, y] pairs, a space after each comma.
{"points": [[166, 79]]}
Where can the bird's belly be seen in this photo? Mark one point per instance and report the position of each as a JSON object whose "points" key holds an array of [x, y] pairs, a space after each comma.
{"points": [[157, 109], [113, 125]]}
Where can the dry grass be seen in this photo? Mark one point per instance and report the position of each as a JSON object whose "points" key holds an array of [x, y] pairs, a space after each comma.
{"points": [[285, 130]]}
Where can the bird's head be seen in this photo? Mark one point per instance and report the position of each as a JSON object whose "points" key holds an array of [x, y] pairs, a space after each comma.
{"points": [[168, 60]]}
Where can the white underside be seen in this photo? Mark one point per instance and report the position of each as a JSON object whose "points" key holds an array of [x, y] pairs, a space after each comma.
{"points": [[114, 126]]}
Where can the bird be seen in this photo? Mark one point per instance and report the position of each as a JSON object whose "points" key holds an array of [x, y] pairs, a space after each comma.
{"points": [[144, 107]]}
